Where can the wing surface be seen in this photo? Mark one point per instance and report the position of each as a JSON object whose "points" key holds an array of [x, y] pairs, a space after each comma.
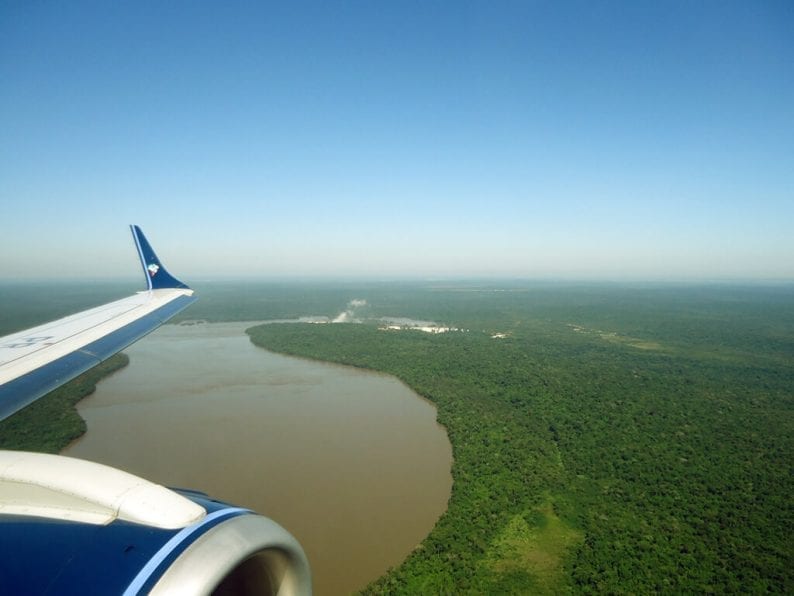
{"points": [[36, 361]]}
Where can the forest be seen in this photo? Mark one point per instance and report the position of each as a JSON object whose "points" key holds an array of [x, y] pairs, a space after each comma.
{"points": [[606, 438], [613, 440]]}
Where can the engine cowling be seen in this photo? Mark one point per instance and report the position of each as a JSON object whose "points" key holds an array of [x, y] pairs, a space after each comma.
{"points": [[76, 527]]}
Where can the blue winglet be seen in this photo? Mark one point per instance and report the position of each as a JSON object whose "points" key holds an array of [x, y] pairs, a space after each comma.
{"points": [[156, 275]]}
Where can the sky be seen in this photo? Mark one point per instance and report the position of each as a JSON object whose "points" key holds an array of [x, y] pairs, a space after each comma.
{"points": [[593, 140]]}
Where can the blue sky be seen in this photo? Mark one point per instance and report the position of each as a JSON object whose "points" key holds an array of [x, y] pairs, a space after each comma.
{"points": [[593, 140]]}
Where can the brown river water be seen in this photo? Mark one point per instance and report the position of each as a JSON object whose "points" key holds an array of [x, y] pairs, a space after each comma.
{"points": [[352, 463]]}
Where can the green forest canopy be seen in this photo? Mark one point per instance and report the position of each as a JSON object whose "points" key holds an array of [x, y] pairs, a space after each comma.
{"points": [[619, 440]]}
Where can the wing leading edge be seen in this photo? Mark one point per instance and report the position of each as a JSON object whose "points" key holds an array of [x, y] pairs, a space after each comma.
{"points": [[36, 361]]}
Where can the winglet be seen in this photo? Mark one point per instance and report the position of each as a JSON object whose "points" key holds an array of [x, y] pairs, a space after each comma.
{"points": [[156, 275]]}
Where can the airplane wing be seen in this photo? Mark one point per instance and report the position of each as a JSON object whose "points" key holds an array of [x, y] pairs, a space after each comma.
{"points": [[36, 361], [74, 527]]}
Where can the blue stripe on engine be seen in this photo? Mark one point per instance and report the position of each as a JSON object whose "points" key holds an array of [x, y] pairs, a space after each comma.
{"points": [[180, 539], [19, 392]]}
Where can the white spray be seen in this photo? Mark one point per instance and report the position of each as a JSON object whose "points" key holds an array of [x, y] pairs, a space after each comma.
{"points": [[349, 314]]}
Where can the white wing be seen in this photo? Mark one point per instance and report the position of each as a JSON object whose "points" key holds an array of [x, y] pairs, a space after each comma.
{"points": [[36, 361]]}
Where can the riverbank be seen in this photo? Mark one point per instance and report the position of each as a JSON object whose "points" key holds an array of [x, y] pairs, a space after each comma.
{"points": [[50, 424], [352, 463], [500, 516]]}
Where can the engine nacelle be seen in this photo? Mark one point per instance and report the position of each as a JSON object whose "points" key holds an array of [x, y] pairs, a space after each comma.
{"points": [[76, 527]]}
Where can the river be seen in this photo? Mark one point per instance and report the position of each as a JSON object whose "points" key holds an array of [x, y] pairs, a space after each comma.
{"points": [[352, 463]]}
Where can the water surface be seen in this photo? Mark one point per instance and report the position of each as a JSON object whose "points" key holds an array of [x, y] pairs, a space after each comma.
{"points": [[351, 462]]}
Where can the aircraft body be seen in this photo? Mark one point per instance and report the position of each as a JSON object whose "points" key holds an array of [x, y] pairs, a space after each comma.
{"points": [[69, 526]]}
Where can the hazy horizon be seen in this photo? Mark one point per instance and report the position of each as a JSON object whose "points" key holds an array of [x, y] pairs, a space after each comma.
{"points": [[473, 280]]}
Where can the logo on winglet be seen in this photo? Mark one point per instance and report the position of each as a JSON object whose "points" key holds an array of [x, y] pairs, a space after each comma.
{"points": [[153, 269]]}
